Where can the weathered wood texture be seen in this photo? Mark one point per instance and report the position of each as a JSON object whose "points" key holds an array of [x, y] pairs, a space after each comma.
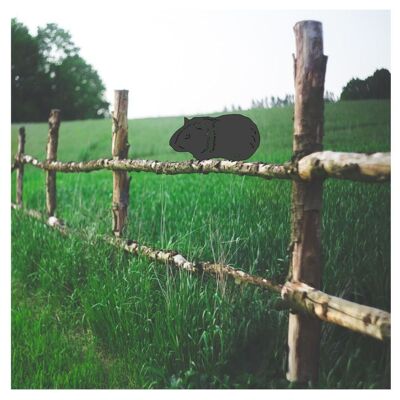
{"points": [[309, 66], [325, 164], [356, 317], [51, 151], [355, 166], [120, 148], [20, 168], [301, 297], [266, 171]]}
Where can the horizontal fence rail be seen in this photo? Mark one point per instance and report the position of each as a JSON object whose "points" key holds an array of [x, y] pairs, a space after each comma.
{"points": [[266, 171], [297, 296], [356, 317], [326, 164], [355, 166]]}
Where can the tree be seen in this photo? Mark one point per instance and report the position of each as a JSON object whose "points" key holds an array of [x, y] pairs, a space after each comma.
{"points": [[55, 44], [376, 86], [24, 67], [379, 84], [48, 72], [329, 97], [75, 79]]}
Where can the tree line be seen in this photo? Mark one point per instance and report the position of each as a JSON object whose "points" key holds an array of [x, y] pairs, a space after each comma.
{"points": [[376, 86], [47, 72], [276, 101]]}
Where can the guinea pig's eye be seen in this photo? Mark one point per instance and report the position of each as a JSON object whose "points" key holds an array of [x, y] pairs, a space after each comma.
{"points": [[187, 136], [198, 128]]}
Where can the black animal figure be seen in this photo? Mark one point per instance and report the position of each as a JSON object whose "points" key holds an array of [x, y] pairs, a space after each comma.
{"points": [[234, 137]]}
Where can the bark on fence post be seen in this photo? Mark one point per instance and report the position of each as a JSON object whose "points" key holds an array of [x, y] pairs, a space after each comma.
{"points": [[20, 168], [51, 150], [120, 147], [309, 65]]}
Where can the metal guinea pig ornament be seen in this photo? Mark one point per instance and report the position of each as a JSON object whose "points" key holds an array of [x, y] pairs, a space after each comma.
{"points": [[233, 137]]}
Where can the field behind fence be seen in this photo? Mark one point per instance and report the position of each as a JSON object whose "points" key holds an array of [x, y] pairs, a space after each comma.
{"points": [[296, 293]]}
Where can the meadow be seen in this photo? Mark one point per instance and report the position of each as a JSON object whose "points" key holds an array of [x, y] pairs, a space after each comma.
{"points": [[85, 315]]}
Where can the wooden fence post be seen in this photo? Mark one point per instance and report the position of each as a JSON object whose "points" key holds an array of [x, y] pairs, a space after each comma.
{"points": [[20, 168], [309, 66], [51, 150], [120, 147]]}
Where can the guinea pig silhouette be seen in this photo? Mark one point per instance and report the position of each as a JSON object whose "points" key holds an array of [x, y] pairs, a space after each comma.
{"points": [[233, 136]]}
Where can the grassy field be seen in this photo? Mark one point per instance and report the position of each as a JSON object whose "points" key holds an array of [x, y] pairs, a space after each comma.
{"points": [[84, 315]]}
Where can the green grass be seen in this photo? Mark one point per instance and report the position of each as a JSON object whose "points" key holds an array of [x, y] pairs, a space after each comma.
{"points": [[84, 315]]}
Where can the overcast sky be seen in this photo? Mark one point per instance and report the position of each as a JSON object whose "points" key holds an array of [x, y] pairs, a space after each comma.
{"points": [[182, 62]]}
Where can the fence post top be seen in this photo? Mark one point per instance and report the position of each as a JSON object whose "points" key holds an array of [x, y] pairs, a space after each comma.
{"points": [[308, 23], [54, 117]]}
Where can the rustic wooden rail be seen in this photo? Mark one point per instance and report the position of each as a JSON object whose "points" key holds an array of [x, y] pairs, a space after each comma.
{"points": [[327, 164], [309, 167]]}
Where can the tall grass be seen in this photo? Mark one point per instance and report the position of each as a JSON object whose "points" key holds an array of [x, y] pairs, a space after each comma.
{"points": [[85, 315]]}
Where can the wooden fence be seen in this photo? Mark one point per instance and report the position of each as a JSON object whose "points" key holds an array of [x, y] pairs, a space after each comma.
{"points": [[307, 169]]}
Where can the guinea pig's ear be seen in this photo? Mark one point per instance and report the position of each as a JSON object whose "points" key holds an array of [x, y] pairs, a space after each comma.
{"points": [[185, 120]]}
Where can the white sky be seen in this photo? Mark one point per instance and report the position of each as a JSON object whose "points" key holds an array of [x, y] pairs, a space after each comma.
{"points": [[198, 61], [356, 43]]}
